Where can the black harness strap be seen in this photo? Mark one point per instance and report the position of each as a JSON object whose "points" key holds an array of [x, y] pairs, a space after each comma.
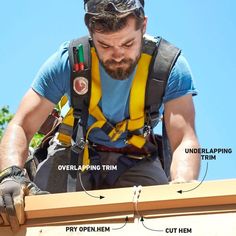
{"points": [[163, 60], [80, 104]]}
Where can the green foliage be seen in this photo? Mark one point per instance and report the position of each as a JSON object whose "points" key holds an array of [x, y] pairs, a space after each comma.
{"points": [[5, 117], [36, 140]]}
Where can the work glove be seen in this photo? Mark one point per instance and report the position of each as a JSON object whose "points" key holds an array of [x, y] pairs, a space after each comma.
{"points": [[14, 186]]}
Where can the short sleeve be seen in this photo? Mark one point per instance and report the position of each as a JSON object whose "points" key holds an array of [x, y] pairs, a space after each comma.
{"points": [[180, 81], [52, 79]]}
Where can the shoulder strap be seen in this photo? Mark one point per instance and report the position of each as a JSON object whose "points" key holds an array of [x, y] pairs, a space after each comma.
{"points": [[80, 103], [164, 57]]}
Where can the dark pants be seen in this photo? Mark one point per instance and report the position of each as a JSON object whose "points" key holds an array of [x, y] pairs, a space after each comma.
{"points": [[50, 177]]}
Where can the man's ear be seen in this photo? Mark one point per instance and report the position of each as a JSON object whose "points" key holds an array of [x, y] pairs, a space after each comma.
{"points": [[145, 24]]}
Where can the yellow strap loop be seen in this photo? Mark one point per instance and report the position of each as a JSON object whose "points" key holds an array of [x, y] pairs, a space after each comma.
{"points": [[119, 129], [68, 120], [136, 124], [86, 160], [62, 102], [65, 139], [137, 141]]}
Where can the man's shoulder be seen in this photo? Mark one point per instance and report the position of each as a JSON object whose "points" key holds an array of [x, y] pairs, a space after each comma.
{"points": [[63, 48], [156, 38], [181, 65]]}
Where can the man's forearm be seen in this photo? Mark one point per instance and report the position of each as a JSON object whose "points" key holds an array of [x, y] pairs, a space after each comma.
{"points": [[13, 147], [185, 166]]}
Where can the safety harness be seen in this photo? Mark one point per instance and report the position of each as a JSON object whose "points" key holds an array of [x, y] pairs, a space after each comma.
{"points": [[147, 90]]}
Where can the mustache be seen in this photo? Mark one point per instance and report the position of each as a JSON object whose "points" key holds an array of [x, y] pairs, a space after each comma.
{"points": [[112, 62]]}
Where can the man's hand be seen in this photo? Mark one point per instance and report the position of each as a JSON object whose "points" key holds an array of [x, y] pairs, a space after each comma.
{"points": [[14, 187]]}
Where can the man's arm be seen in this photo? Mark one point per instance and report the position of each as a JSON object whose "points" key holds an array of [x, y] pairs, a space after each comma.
{"points": [[32, 112], [179, 120]]}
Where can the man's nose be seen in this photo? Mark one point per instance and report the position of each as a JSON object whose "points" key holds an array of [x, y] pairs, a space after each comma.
{"points": [[118, 54]]}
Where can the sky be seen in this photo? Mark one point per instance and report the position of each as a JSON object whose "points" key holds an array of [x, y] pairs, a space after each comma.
{"points": [[205, 30]]}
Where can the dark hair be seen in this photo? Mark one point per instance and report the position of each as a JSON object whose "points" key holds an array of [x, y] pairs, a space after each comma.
{"points": [[142, 2], [110, 21]]}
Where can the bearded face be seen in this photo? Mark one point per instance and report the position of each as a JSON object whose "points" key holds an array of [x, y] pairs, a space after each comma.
{"points": [[119, 52]]}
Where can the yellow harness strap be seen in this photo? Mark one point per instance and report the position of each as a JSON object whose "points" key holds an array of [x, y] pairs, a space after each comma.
{"points": [[66, 128], [137, 98], [63, 102], [137, 94]]}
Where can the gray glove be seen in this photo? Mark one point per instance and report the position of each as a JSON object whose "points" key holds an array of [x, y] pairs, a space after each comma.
{"points": [[14, 186]]}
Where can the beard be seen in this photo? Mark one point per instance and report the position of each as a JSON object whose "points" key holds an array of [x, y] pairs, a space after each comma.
{"points": [[123, 69], [120, 70]]}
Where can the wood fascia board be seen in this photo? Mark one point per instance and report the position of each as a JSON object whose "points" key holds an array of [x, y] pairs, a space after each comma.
{"points": [[79, 203], [208, 193], [201, 210], [154, 201], [75, 220], [121, 200]]}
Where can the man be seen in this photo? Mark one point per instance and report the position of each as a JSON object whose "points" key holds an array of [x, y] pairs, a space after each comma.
{"points": [[117, 29]]}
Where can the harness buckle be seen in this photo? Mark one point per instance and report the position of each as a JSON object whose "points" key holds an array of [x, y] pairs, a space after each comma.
{"points": [[147, 130], [79, 147], [153, 118]]}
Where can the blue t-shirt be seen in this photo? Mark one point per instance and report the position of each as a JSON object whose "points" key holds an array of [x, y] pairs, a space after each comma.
{"points": [[53, 81]]}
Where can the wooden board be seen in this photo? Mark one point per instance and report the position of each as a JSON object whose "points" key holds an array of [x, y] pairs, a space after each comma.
{"points": [[79, 203], [154, 201], [211, 193]]}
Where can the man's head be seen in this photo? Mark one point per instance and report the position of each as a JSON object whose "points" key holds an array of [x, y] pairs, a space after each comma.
{"points": [[117, 28]]}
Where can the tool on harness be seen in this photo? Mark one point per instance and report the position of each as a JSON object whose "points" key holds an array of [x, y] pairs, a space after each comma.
{"points": [[152, 72], [79, 86]]}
